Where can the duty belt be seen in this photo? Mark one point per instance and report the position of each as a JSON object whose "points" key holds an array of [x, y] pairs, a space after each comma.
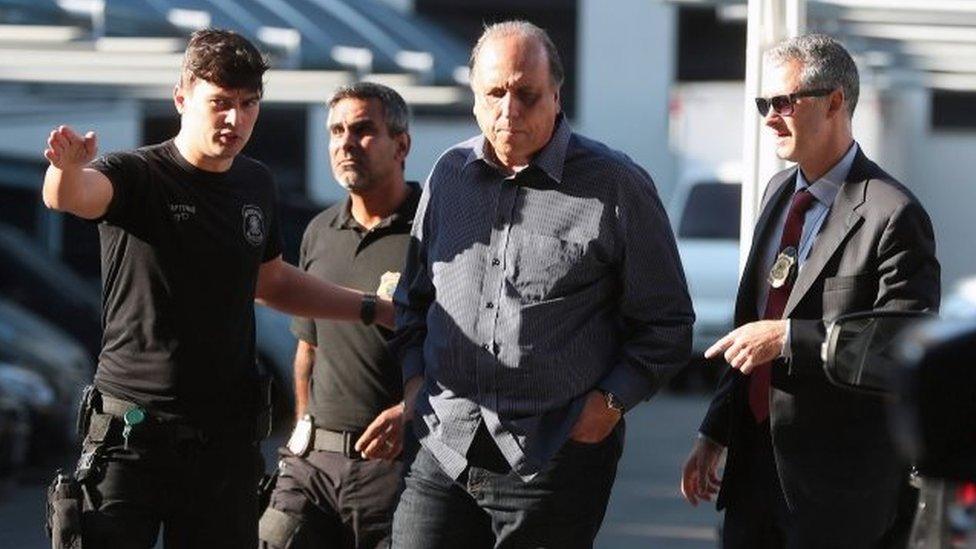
{"points": [[342, 442], [116, 406], [174, 428]]}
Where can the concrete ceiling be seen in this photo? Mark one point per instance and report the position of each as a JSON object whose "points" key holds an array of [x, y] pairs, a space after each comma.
{"points": [[924, 42], [53, 43]]}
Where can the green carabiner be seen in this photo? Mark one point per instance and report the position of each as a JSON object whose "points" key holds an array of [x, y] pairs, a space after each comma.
{"points": [[134, 416]]}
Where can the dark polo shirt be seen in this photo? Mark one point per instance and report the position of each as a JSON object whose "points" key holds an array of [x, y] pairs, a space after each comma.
{"points": [[355, 377], [181, 251]]}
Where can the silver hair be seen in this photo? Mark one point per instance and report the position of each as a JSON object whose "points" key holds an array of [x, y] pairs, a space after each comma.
{"points": [[517, 27], [395, 111], [825, 64]]}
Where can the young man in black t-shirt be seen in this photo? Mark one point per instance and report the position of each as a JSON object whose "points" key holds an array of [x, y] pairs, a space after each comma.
{"points": [[189, 239], [340, 473]]}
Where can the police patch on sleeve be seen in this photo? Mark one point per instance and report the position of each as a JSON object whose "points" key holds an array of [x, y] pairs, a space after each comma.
{"points": [[253, 224]]}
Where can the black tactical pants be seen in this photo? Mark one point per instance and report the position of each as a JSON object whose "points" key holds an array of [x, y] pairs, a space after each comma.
{"points": [[329, 500], [202, 491]]}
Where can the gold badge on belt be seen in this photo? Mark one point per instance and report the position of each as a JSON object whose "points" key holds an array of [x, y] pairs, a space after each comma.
{"points": [[388, 283], [783, 267]]}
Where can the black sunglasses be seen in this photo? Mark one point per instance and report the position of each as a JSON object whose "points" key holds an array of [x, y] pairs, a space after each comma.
{"points": [[783, 104]]}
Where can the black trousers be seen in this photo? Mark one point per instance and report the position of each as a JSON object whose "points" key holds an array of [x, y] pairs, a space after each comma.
{"points": [[756, 516], [326, 499], [202, 492], [491, 506]]}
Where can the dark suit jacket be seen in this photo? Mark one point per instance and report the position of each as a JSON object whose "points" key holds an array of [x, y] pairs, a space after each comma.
{"points": [[875, 250]]}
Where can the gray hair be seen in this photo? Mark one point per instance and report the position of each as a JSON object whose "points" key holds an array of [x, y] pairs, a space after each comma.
{"points": [[395, 111], [826, 64], [524, 29]]}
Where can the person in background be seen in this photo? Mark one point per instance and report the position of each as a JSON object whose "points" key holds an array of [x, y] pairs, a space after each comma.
{"points": [[340, 474]]}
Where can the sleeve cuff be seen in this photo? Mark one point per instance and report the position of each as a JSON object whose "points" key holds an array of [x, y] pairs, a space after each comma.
{"points": [[412, 363], [711, 431], [303, 329], [627, 386], [710, 439]]}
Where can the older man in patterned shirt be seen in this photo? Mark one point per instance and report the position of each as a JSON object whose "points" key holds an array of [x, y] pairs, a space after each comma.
{"points": [[543, 297]]}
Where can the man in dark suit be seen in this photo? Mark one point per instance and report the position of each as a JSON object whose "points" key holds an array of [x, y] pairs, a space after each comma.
{"points": [[810, 465]]}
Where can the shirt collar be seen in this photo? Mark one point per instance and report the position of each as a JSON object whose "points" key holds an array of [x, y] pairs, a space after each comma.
{"points": [[403, 215], [826, 188], [550, 159]]}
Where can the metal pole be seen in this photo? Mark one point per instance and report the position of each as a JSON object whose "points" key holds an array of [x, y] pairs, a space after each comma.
{"points": [[796, 17], [769, 22], [98, 19], [751, 128]]}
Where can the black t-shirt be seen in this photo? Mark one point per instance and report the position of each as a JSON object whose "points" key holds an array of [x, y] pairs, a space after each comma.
{"points": [[181, 248], [354, 377]]}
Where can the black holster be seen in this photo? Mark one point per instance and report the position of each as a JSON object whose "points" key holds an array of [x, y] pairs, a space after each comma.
{"points": [[266, 487], [87, 405], [65, 504], [66, 495]]}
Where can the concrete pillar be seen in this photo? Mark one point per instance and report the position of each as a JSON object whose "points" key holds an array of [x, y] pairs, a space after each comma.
{"points": [[626, 67], [769, 22]]}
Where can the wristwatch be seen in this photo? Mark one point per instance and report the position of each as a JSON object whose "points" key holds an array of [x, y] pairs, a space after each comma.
{"points": [[367, 309], [613, 402]]}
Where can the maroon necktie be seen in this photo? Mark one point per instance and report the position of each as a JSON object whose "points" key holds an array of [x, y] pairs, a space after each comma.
{"points": [[776, 302]]}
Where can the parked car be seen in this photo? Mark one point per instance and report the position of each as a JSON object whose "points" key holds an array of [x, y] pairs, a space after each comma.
{"points": [[50, 369], [705, 214], [39, 282], [15, 434]]}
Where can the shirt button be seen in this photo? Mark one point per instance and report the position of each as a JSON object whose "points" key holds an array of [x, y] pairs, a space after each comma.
{"points": [[490, 305], [496, 262], [487, 347]]}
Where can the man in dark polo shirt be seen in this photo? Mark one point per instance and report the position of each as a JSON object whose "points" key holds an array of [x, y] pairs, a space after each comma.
{"points": [[340, 472]]}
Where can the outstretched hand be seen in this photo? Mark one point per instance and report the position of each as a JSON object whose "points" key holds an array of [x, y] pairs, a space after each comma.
{"points": [[67, 150], [751, 344]]}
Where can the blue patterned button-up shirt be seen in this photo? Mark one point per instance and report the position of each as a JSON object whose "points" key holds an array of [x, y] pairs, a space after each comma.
{"points": [[524, 292]]}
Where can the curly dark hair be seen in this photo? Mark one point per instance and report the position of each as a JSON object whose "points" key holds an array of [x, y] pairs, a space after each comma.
{"points": [[223, 58]]}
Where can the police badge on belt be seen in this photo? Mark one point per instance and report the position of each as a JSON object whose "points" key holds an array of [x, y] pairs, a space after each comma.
{"points": [[388, 283], [784, 268]]}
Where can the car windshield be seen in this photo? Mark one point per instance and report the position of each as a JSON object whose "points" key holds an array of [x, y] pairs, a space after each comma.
{"points": [[711, 211]]}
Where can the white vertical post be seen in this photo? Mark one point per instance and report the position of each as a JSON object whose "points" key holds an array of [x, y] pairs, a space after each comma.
{"points": [[769, 22], [626, 65], [796, 17]]}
